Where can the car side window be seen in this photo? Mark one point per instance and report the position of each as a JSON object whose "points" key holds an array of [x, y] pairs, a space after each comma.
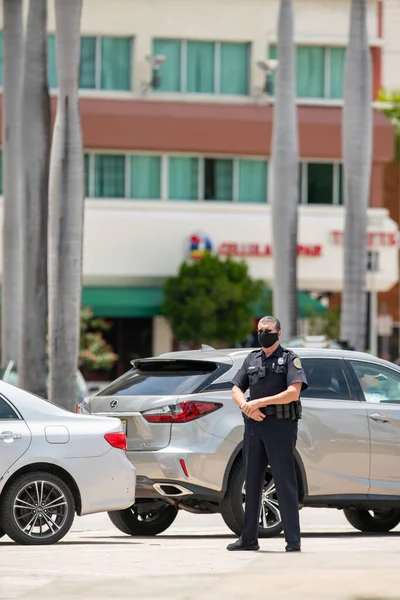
{"points": [[6, 412], [378, 384], [326, 379]]}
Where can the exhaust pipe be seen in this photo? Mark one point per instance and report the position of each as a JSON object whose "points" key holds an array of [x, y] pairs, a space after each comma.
{"points": [[168, 489]]}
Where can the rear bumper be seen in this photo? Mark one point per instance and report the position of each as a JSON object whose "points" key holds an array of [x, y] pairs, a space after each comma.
{"points": [[105, 483], [205, 459]]}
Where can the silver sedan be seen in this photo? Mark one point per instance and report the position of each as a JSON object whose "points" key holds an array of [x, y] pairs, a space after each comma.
{"points": [[55, 464]]}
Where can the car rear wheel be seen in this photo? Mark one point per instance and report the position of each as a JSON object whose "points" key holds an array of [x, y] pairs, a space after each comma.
{"points": [[38, 508], [146, 518], [373, 521], [2, 534], [232, 506]]}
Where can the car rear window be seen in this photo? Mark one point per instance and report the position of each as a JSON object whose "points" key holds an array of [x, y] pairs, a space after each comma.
{"points": [[165, 377]]}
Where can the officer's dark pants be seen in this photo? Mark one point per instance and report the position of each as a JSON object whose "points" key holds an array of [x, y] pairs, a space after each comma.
{"points": [[275, 438]]}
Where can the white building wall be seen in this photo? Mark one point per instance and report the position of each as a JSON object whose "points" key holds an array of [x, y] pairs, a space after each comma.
{"points": [[255, 21], [136, 243], [391, 49]]}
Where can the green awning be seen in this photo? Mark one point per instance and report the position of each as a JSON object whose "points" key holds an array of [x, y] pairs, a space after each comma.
{"points": [[308, 306], [116, 302]]}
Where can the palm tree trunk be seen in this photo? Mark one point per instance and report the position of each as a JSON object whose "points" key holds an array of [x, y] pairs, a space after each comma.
{"points": [[357, 155], [36, 153], [12, 172], [66, 212], [285, 176]]}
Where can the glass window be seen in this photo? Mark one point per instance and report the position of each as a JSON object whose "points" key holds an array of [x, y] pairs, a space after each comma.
{"points": [[320, 183], [183, 177], [252, 181], [273, 55], [52, 62], [116, 55], [378, 384], [310, 67], [86, 158], [170, 72], [337, 59], [218, 179], [109, 175], [313, 79], [6, 412], [162, 377], [234, 68], [87, 67], [341, 184], [200, 71], [146, 177], [326, 379]]}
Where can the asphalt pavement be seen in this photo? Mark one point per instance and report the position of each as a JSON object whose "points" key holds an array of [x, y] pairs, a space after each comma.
{"points": [[190, 561]]}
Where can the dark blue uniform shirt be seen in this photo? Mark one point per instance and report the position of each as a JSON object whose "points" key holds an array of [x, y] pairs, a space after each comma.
{"points": [[269, 376]]}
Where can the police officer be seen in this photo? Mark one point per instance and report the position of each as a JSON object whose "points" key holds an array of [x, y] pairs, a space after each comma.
{"points": [[275, 377]]}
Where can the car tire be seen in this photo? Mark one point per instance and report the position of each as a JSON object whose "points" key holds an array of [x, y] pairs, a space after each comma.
{"points": [[380, 521], [154, 519], [2, 533], [22, 507], [232, 505]]}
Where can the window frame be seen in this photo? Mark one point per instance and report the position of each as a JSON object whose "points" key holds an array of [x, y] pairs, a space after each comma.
{"points": [[217, 66], [98, 64], [342, 364], [303, 188], [13, 410], [327, 97], [357, 383]]}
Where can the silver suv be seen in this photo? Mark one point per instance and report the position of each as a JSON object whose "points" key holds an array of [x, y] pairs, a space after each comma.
{"points": [[185, 439]]}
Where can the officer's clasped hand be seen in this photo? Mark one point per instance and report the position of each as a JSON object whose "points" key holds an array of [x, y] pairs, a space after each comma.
{"points": [[250, 409]]}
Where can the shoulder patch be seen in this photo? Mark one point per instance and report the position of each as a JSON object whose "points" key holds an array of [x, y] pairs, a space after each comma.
{"points": [[297, 363]]}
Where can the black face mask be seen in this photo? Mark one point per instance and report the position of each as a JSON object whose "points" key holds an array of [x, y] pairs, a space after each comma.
{"points": [[267, 339]]}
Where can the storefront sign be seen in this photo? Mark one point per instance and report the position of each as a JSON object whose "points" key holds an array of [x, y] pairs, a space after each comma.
{"points": [[374, 240], [263, 250]]}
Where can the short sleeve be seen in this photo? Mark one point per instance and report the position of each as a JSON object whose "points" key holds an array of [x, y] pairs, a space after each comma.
{"points": [[241, 379], [296, 372]]}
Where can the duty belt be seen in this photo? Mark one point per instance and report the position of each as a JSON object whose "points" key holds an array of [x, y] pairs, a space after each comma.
{"points": [[292, 411]]}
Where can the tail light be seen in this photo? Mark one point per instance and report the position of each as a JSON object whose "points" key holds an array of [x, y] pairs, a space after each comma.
{"points": [[181, 412], [116, 440]]}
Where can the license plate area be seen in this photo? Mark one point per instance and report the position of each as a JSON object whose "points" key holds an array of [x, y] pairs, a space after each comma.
{"points": [[123, 421]]}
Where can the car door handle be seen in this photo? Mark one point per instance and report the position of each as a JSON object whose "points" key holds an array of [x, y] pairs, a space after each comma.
{"points": [[9, 435], [379, 417]]}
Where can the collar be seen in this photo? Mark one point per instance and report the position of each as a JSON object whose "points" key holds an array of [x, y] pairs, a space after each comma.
{"points": [[277, 352]]}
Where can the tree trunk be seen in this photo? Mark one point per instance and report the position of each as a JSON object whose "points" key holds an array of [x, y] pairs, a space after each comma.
{"points": [[357, 155], [284, 173], [12, 174], [66, 212], [36, 152]]}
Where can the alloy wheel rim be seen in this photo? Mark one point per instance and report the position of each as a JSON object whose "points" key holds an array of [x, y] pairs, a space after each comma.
{"points": [[40, 509], [270, 515]]}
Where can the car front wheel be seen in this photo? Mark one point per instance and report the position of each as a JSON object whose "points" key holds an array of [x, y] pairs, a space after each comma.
{"points": [[232, 506], [373, 521], [38, 508], [146, 518]]}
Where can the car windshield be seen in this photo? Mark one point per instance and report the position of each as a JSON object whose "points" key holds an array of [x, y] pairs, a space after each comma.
{"points": [[162, 377]]}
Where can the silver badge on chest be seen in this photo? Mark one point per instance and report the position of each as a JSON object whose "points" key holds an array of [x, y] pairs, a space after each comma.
{"points": [[280, 361]]}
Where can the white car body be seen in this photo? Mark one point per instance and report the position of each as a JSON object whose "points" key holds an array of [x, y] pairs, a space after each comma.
{"points": [[47, 438]]}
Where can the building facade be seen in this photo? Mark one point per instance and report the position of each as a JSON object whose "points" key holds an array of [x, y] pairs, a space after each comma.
{"points": [[184, 151]]}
